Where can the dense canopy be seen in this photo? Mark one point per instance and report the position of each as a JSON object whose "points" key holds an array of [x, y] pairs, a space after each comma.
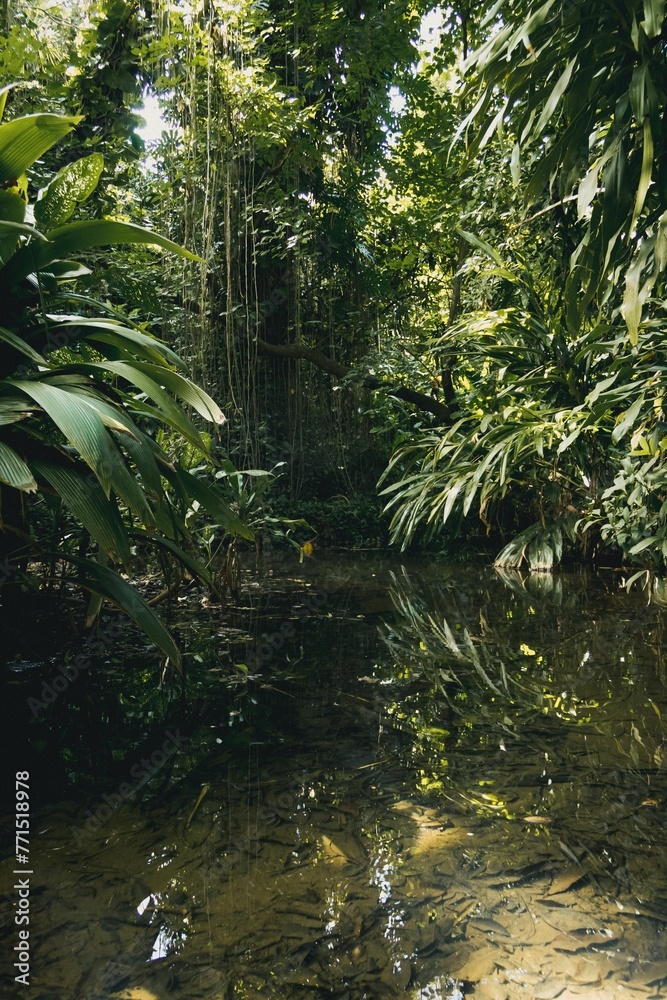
{"points": [[412, 258]]}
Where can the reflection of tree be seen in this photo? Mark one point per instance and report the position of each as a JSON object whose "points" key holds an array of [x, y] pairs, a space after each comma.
{"points": [[357, 836], [450, 658], [543, 669]]}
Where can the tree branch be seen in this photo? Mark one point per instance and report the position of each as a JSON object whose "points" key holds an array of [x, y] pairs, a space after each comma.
{"points": [[301, 352]]}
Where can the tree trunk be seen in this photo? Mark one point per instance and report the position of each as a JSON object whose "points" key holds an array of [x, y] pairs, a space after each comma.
{"points": [[301, 352]]}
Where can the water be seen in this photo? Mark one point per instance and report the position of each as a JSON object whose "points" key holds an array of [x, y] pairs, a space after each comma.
{"points": [[380, 780]]}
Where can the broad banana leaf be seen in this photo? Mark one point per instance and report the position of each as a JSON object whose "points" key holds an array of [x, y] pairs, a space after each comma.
{"points": [[76, 236], [14, 471], [25, 139], [85, 498]]}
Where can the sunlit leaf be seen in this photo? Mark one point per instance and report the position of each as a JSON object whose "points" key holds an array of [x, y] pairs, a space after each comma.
{"points": [[25, 139], [76, 236], [627, 420], [14, 471], [72, 185]]}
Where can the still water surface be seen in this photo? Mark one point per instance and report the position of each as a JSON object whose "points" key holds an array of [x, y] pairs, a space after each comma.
{"points": [[382, 780]]}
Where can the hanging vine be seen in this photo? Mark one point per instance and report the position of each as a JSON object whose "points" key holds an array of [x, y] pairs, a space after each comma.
{"points": [[275, 136]]}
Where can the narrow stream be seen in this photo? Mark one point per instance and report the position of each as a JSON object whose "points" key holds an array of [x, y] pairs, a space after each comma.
{"points": [[380, 780]]}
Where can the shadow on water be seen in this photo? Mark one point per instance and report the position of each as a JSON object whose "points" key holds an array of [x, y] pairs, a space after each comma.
{"points": [[381, 780]]}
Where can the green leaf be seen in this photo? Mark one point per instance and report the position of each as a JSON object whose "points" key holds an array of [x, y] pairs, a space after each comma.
{"points": [[568, 440], [103, 581], [644, 544], [107, 332], [546, 165], [145, 454], [196, 568], [654, 15], [486, 249], [126, 485], [184, 389], [645, 176], [12, 213], [535, 19], [209, 499], [171, 412], [71, 186], [515, 164], [66, 270], [556, 94], [587, 190], [635, 295], [85, 498], [76, 236], [112, 416], [19, 344], [13, 410], [627, 420], [24, 140], [78, 421], [601, 387], [661, 244], [21, 229], [637, 92], [14, 471], [540, 555], [4, 92], [491, 13]]}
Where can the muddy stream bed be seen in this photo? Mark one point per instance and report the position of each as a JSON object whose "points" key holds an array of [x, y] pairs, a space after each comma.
{"points": [[379, 780]]}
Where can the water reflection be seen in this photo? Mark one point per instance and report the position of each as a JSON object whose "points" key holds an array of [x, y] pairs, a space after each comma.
{"points": [[436, 783]]}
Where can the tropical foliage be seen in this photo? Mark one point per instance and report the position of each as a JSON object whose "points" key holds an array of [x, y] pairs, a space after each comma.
{"points": [[79, 393], [430, 248], [565, 417]]}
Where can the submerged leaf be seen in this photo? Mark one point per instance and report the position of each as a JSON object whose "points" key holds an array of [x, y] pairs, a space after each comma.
{"points": [[566, 879]]}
